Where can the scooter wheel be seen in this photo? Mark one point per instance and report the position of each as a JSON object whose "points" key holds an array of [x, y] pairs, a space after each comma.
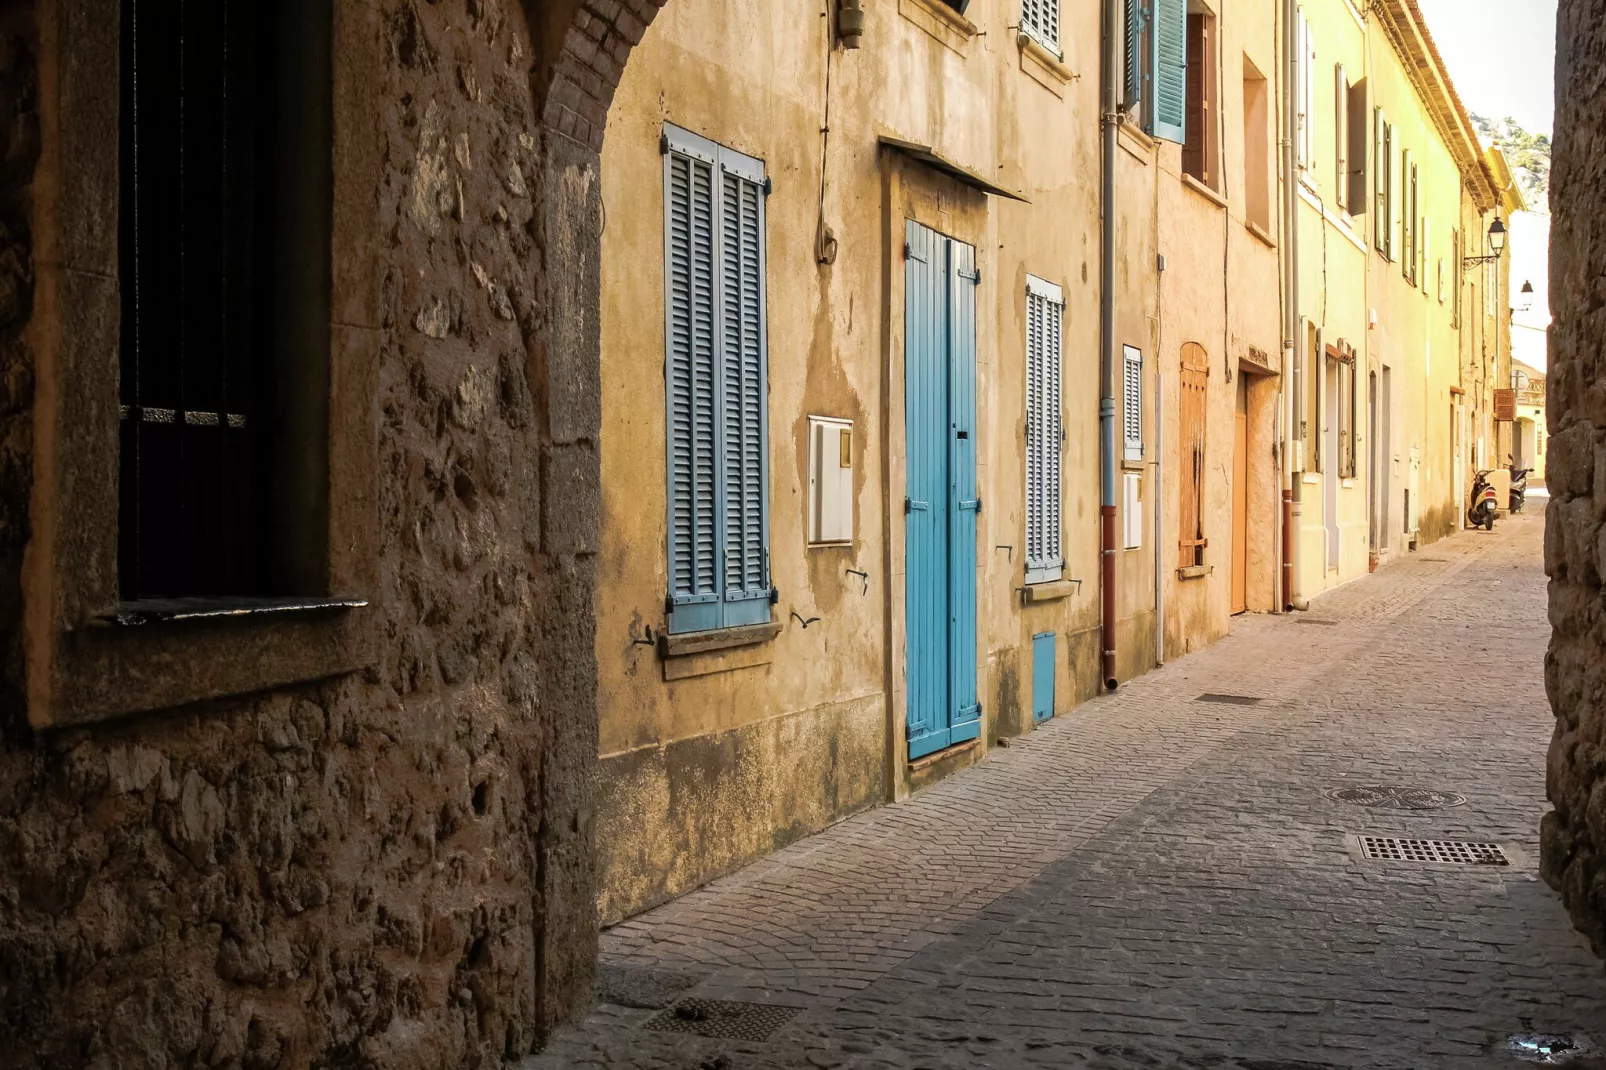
{"points": [[1488, 523]]}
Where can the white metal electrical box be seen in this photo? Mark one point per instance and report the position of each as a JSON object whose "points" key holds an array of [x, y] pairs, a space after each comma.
{"points": [[831, 460], [1133, 512]]}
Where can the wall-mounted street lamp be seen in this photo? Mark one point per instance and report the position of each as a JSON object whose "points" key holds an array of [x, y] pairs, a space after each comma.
{"points": [[1525, 299], [1497, 243]]}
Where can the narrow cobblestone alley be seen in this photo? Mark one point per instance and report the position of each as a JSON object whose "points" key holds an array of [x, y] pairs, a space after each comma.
{"points": [[1158, 881]]}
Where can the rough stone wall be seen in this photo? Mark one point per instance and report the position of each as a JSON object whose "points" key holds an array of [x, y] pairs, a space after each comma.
{"points": [[390, 869], [1574, 840]]}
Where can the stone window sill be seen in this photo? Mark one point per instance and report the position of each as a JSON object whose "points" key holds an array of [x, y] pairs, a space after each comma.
{"points": [[1053, 591], [160, 655], [1195, 572], [940, 21], [687, 644], [1262, 233], [1137, 143], [1045, 66], [1204, 191]]}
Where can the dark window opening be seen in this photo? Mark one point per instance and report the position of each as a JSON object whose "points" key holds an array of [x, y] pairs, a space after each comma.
{"points": [[223, 262]]}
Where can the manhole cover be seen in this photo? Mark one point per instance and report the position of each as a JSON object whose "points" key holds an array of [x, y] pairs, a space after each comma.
{"points": [[1441, 852], [722, 1019], [1385, 797], [1317, 620], [1231, 700], [1550, 1048]]}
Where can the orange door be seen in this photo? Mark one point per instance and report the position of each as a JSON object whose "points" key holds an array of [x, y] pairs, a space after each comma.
{"points": [[1240, 501]]}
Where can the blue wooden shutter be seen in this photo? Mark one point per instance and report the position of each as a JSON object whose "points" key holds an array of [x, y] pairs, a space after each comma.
{"points": [[1170, 70], [965, 709], [926, 310], [689, 377], [743, 394], [1132, 401]]}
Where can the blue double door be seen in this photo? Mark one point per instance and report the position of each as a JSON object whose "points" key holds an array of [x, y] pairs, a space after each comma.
{"points": [[942, 509]]}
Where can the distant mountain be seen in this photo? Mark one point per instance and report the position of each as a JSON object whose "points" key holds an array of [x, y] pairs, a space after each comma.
{"points": [[1529, 155]]}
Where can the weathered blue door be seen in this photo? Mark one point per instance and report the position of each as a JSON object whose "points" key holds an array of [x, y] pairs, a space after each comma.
{"points": [[942, 505], [1042, 676]]}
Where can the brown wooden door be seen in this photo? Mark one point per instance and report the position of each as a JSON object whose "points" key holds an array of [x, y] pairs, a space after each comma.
{"points": [[1240, 500]]}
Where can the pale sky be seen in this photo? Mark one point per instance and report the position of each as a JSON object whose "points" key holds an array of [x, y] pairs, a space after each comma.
{"points": [[1501, 54], [1502, 58]]}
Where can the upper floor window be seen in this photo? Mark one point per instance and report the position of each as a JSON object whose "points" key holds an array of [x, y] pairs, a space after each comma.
{"points": [[1257, 148], [224, 269], [715, 371], [1305, 96], [1040, 20], [1201, 149], [1350, 141], [1045, 439], [1132, 402]]}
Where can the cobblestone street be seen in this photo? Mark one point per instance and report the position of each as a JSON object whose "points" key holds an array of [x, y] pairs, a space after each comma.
{"points": [[1157, 881]]}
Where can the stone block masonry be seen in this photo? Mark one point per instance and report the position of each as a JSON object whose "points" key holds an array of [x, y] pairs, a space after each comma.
{"points": [[1574, 850]]}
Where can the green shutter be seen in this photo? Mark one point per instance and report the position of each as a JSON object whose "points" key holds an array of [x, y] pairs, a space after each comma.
{"points": [[1380, 171], [1170, 70], [690, 301]]}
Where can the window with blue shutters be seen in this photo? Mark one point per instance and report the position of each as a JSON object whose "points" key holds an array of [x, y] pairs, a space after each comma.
{"points": [[715, 385], [1045, 314], [1156, 60]]}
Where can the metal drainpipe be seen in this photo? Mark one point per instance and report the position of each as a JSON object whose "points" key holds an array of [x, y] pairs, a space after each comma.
{"points": [[1112, 99], [1158, 495], [1291, 348]]}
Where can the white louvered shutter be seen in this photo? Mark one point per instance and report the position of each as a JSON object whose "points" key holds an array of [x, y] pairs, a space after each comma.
{"points": [[1132, 401], [1041, 19], [1045, 313], [689, 379], [742, 375]]}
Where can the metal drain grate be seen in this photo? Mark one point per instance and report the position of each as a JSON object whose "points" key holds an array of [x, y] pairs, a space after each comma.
{"points": [[1231, 700], [722, 1019], [1317, 620], [1441, 852], [1386, 797]]}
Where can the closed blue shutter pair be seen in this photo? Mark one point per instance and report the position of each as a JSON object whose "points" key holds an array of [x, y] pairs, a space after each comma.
{"points": [[715, 385], [1157, 65]]}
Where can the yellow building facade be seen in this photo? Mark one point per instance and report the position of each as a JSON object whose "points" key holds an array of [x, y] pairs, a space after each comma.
{"points": [[862, 519], [1391, 180]]}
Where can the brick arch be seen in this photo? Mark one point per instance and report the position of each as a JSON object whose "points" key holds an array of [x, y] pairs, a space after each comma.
{"points": [[589, 44]]}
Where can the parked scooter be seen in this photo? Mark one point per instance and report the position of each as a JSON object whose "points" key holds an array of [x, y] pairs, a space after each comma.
{"points": [[1485, 503], [1519, 486]]}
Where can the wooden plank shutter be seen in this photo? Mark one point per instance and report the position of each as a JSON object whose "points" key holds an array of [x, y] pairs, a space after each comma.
{"points": [[1195, 159], [1341, 138], [1191, 455], [1132, 401], [1170, 61], [1044, 435], [689, 375], [1390, 231], [742, 425], [1408, 216], [1308, 90]]}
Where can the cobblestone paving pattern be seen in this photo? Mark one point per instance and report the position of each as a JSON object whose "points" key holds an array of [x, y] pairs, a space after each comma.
{"points": [[1152, 881]]}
